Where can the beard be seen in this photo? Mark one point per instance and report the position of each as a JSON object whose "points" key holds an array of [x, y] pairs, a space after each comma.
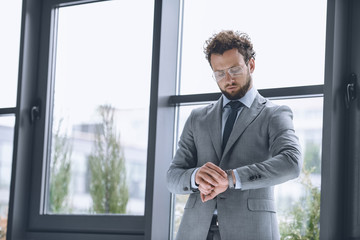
{"points": [[241, 92]]}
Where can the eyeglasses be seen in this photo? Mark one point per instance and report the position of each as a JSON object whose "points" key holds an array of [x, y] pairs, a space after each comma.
{"points": [[233, 72]]}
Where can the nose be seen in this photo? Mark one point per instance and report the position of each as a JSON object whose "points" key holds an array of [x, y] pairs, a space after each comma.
{"points": [[228, 76]]}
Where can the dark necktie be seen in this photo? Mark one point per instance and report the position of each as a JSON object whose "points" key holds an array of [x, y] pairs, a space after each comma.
{"points": [[235, 106]]}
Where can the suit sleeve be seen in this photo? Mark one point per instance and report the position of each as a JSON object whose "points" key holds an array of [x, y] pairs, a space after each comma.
{"points": [[286, 159], [184, 163]]}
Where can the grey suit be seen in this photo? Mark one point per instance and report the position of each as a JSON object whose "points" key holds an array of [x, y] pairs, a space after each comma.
{"points": [[264, 150]]}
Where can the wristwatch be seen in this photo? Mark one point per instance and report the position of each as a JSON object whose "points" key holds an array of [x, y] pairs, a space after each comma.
{"points": [[230, 178]]}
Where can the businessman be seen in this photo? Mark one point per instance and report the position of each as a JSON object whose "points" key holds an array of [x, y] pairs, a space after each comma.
{"points": [[233, 152]]}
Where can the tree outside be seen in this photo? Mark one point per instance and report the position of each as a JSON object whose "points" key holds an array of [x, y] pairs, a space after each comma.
{"points": [[60, 173], [302, 221], [312, 157], [108, 186], [3, 228], [303, 218]]}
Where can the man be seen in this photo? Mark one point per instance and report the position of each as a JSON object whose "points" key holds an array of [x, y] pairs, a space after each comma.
{"points": [[232, 152]]}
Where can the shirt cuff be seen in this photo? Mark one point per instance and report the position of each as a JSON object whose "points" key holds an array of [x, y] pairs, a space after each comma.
{"points": [[238, 182], [193, 184]]}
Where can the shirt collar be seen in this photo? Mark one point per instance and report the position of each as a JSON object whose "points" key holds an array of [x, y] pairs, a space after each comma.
{"points": [[247, 100]]}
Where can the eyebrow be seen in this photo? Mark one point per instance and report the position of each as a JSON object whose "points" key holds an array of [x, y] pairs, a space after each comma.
{"points": [[227, 68]]}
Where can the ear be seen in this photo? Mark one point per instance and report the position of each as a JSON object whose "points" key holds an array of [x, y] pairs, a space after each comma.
{"points": [[252, 65]]}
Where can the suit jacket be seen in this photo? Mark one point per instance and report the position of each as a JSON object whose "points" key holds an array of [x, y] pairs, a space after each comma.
{"points": [[264, 150]]}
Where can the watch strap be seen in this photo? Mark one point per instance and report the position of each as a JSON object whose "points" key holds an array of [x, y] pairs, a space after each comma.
{"points": [[230, 178]]}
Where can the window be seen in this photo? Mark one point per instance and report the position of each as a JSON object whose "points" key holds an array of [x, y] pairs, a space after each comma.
{"points": [[10, 18], [90, 142], [304, 191], [101, 96], [298, 200], [6, 149], [31, 213], [279, 38]]}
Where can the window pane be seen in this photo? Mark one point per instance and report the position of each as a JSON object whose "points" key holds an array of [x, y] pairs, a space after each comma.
{"points": [[10, 23], [100, 109], [6, 151], [299, 199], [288, 37]]}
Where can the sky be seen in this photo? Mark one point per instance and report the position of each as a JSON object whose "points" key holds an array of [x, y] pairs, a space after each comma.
{"points": [[288, 37], [101, 59], [10, 20]]}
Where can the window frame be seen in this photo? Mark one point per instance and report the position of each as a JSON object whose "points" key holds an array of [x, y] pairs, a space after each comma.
{"points": [[38, 221], [38, 19], [334, 117], [271, 93]]}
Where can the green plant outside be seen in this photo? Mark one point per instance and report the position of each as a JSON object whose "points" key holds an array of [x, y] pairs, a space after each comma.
{"points": [[302, 220], [108, 186], [60, 173]]}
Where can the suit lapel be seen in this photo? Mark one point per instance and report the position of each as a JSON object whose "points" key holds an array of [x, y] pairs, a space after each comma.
{"points": [[246, 117], [214, 126]]}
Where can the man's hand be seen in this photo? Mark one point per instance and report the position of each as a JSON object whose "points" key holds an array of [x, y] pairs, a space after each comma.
{"points": [[212, 180]]}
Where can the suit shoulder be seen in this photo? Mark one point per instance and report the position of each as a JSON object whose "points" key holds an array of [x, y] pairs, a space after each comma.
{"points": [[203, 110], [274, 108]]}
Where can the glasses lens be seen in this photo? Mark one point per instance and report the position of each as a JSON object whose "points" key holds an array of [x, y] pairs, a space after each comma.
{"points": [[235, 70], [218, 75]]}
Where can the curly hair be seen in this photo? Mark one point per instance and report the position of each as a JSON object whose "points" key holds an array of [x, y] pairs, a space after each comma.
{"points": [[227, 40]]}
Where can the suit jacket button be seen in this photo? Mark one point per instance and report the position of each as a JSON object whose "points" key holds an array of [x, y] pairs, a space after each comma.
{"points": [[251, 178], [185, 189], [259, 176]]}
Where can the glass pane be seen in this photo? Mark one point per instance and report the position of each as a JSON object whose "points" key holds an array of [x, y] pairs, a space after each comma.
{"points": [[10, 26], [297, 201], [288, 37], [100, 109], [6, 152]]}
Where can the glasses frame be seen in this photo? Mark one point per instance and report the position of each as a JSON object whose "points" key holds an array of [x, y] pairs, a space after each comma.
{"points": [[227, 70]]}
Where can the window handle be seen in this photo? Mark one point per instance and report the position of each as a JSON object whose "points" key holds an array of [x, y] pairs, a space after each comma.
{"points": [[350, 94], [35, 111]]}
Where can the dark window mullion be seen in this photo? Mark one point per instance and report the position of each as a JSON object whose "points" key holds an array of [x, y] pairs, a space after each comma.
{"points": [[271, 93], [6, 111]]}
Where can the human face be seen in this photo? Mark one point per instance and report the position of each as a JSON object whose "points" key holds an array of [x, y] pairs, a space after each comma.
{"points": [[233, 87]]}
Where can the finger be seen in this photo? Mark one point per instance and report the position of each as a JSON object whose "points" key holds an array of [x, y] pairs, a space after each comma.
{"points": [[216, 169], [202, 196], [204, 175], [210, 196], [205, 191], [206, 178], [206, 187], [205, 183], [212, 174]]}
